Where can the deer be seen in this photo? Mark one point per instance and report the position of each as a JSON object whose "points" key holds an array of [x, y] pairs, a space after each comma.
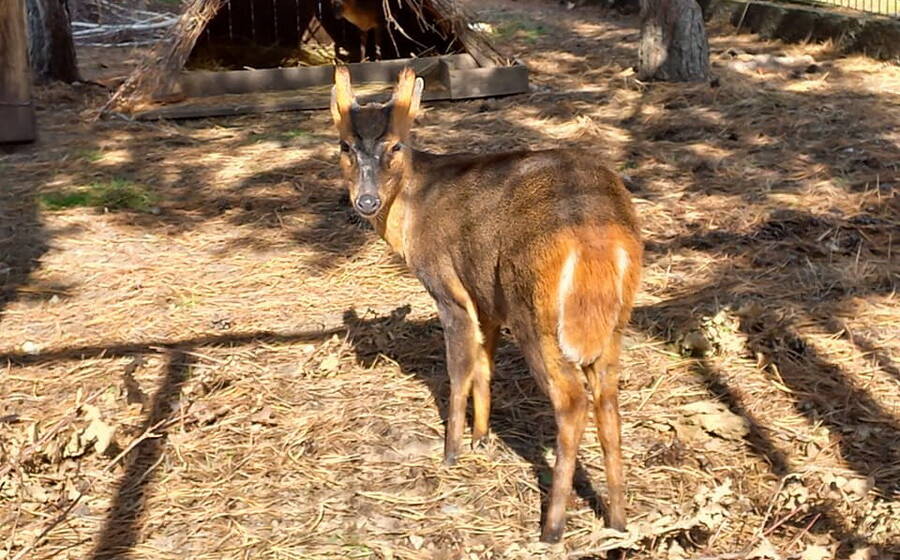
{"points": [[368, 17], [544, 242]]}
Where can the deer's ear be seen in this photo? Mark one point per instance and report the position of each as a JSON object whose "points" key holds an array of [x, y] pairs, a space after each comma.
{"points": [[406, 102], [341, 97]]}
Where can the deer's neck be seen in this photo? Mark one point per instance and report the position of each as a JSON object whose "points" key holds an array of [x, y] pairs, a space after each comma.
{"points": [[393, 223]]}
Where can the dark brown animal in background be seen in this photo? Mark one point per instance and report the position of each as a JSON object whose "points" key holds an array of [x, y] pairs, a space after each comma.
{"points": [[546, 242], [368, 17]]}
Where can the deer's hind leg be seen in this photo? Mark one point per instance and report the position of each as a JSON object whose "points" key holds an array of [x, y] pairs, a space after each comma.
{"points": [[562, 381], [604, 381]]}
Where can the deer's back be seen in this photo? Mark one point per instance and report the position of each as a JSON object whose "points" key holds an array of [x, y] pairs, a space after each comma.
{"points": [[488, 216]]}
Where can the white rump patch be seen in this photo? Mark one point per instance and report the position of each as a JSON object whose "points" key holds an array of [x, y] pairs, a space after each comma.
{"points": [[621, 270], [566, 281]]}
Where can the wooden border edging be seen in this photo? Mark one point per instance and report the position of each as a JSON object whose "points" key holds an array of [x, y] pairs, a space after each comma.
{"points": [[446, 77]]}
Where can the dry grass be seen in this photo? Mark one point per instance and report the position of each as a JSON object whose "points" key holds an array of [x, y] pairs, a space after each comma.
{"points": [[273, 396]]}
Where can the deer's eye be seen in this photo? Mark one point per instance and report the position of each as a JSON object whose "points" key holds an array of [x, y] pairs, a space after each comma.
{"points": [[345, 147], [396, 148]]}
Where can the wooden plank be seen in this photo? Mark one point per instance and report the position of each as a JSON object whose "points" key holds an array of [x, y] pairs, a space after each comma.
{"points": [[204, 83], [488, 82], [16, 110], [242, 104], [264, 91]]}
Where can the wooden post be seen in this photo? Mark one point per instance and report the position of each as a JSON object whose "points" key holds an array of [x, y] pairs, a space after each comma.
{"points": [[16, 110]]}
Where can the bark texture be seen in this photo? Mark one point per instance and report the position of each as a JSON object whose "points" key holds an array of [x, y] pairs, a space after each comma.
{"points": [[674, 47], [50, 46]]}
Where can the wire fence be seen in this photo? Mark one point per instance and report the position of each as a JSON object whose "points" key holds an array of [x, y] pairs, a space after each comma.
{"points": [[883, 7]]}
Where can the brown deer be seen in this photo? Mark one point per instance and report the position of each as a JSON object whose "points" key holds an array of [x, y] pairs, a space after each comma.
{"points": [[368, 17], [545, 242]]}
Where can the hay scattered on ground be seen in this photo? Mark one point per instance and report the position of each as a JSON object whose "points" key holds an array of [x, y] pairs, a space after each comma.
{"points": [[239, 369]]}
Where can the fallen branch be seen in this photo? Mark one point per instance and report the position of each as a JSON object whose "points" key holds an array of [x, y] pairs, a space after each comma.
{"points": [[98, 29]]}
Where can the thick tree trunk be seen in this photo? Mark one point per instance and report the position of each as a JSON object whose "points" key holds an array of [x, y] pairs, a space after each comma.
{"points": [[673, 47], [16, 110], [50, 45]]}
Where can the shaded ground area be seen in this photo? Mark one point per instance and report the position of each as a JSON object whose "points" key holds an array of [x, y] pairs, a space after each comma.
{"points": [[205, 355]]}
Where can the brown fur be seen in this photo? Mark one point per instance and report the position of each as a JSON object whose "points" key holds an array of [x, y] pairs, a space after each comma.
{"points": [[489, 237], [367, 16], [601, 295], [364, 14]]}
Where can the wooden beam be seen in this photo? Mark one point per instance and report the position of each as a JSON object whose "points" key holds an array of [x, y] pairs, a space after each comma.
{"points": [[217, 94], [204, 83], [271, 102], [492, 81], [16, 109]]}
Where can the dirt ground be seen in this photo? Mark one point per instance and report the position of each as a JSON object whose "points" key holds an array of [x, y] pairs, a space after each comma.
{"points": [[203, 354]]}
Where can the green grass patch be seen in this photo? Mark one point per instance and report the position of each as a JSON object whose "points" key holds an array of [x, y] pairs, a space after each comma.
{"points": [[116, 194], [298, 135], [92, 156], [520, 29], [286, 138]]}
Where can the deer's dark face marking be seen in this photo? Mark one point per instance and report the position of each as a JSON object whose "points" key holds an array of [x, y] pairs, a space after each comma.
{"points": [[373, 152], [371, 158]]}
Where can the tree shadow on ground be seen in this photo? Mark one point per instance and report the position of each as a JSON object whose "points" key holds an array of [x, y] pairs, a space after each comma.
{"points": [[121, 530], [775, 145], [521, 416], [23, 240], [769, 311]]}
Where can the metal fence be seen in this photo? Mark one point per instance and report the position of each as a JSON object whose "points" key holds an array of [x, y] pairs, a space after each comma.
{"points": [[883, 7]]}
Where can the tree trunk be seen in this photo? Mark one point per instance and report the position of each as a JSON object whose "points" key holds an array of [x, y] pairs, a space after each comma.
{"points": [[673, 47], [50, 45], [16, 110]]}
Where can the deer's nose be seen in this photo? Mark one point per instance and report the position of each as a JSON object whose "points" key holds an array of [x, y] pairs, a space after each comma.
{"points": [[368, 204]]}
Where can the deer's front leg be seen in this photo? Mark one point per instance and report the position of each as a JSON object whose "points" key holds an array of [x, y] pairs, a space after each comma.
{"points": [[463, 341]]}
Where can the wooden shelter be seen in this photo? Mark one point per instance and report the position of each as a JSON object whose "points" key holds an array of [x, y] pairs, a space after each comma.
{"points": [[238, 56]]}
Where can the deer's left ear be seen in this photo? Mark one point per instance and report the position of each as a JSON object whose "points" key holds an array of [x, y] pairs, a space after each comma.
{"points": [[341, 97], [406, 102]]}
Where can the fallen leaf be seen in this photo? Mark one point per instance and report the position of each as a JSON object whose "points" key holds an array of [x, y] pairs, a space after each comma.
{"points": [[416, 541], [264, 416], [330, 363], [675, 551], [858, 488], [688, 432], [795, 494], [205, 415], [100, 434], [713, 502], [74, 447], [716, 418], [817, 552], [867, 553], [764, 550]]}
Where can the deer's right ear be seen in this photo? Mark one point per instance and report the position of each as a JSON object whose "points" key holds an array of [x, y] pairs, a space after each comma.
{"points": [[406, 101], [341, 97]]}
